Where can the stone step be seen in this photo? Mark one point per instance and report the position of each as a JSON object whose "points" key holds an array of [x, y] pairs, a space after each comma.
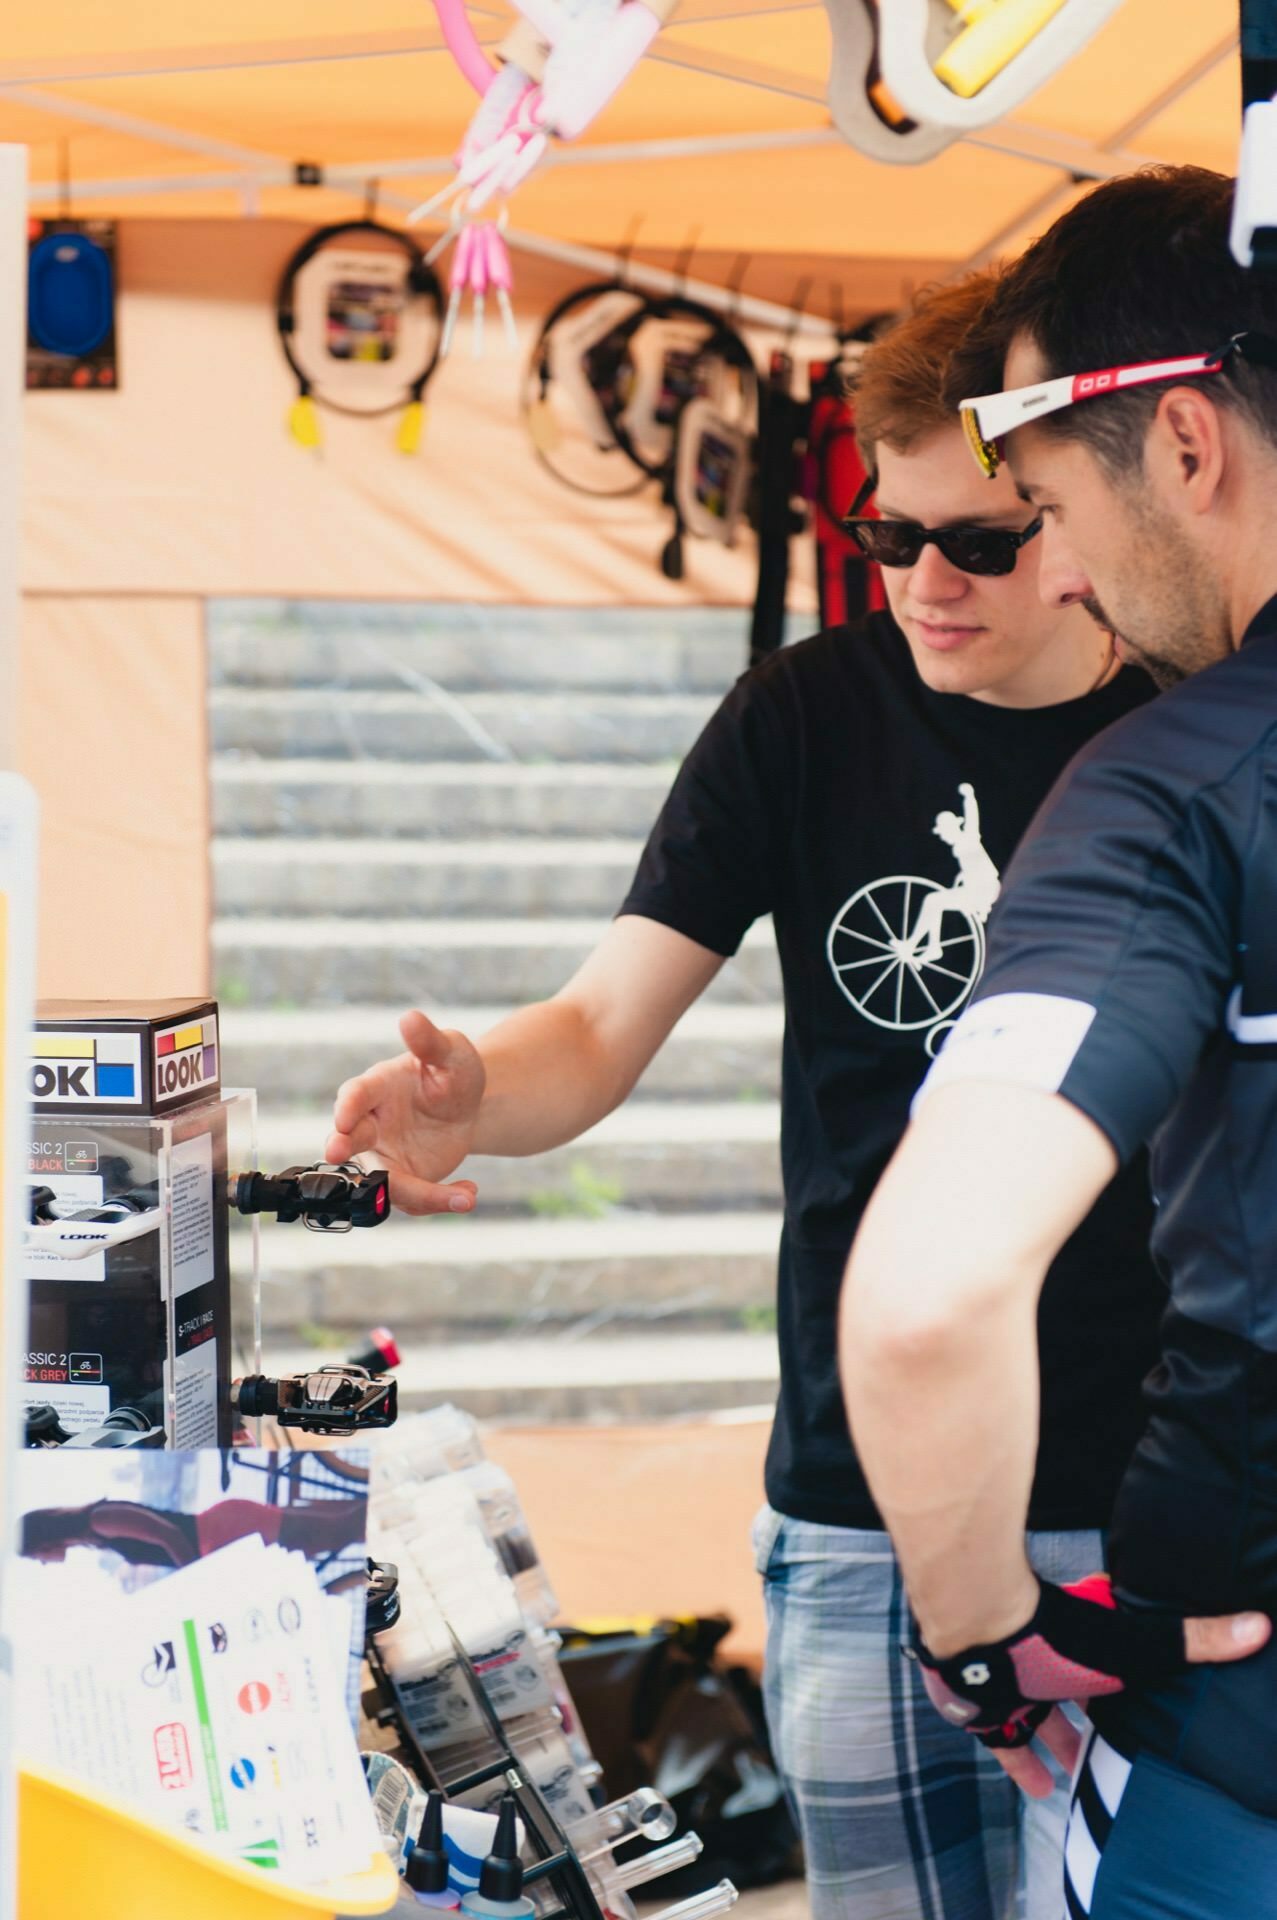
{"points": [[603, 1376], [402, 799], [324, 961], [394, 878], [457, 1273], [467, 649], [475, 726], [724, 1053], [655, 1153]]}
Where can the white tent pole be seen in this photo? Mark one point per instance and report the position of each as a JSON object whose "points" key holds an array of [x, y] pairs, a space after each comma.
{"points": [[763, 313], [356, 175], [746, 73], [48, 193], [1152, 110], [167, 62], [138, 129], [693, 146], [1040, 144], [1046, 148], [690, 147], [392, 44]]}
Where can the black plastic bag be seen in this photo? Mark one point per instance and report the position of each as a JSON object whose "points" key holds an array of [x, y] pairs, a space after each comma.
{"points": [[661, 1710]]}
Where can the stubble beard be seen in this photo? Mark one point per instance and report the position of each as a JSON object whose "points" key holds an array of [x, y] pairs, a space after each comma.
{"points": [[1179, 625]]}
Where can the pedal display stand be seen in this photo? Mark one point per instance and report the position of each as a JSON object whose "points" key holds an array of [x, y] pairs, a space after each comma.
{"points": [[556, 1861]]}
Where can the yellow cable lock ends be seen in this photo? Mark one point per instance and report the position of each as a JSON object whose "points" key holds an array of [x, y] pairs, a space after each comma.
{"points": [[986, 48], [303, 422], [412, 423]]}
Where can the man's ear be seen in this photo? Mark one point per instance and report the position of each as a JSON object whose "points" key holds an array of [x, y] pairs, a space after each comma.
{"points": [[1185, 452]]}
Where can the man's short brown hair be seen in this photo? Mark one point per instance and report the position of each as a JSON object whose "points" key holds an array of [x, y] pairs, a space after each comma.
{"points": [[900, 388]]}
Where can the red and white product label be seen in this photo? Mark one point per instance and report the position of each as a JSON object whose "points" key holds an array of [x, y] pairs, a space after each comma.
{"points": [[173, 1756]]}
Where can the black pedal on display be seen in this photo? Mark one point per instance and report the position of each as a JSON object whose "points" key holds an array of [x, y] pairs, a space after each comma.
{"points": [[325, 1199], [383, 1605], [337, 1399]]}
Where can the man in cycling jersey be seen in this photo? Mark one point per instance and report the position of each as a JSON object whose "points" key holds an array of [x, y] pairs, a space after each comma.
{"points": [[1130, 993], [814, 795]]}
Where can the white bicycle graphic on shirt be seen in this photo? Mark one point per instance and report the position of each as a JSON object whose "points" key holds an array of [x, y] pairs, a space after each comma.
{"points": [[894, 948]]}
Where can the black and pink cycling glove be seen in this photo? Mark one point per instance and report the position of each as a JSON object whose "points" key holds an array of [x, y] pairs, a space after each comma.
{"points": [[1080, 1643]]}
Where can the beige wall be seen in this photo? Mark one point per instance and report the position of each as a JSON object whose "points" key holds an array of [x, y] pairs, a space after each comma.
{"points": [[185, 484], [624, 1525], [111, 733], [185, 481]]}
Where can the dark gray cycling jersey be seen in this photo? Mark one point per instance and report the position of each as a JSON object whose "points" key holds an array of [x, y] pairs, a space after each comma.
{"points": [[1133, 969]]}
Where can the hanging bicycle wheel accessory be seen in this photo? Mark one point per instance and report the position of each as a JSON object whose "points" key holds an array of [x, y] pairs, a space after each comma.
{"points": [[691, 418], [71, 282], [360, 318], [579, 379], [625, 388]]}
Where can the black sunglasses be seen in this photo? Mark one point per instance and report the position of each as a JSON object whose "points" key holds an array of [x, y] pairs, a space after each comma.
{"points": [[899, 543]]}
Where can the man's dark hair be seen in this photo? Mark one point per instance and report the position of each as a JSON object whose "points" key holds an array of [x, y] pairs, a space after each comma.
{"points": [[1138, 270]]}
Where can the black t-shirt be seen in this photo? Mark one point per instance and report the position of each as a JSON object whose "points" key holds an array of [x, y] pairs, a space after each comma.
{"points": [[1134, 971], [835, 791]]}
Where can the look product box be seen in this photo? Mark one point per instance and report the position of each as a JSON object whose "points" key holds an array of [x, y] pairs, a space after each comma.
{"points": [[117, 1056], [126, 1105]]}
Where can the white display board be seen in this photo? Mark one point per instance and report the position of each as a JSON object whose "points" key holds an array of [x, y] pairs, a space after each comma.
{"points": [[17, 928], [17, 1012]]}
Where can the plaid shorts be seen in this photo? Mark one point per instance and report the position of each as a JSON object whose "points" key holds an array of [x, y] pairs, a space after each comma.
{"points": [[902, 1816]]}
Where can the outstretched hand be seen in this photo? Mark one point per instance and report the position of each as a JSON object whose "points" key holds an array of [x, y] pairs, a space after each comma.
{"points": [[417, 1115]]}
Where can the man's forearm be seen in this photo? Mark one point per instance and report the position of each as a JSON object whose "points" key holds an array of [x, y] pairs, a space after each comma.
{"points": [[548, 1079], [945, 1424], [556, 1068], [938, 1341]]}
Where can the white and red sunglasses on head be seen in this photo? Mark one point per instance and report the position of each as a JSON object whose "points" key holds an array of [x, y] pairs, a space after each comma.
{"points": [[991, 416]]}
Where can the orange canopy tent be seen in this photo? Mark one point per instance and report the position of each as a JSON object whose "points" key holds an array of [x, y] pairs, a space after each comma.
{"points": [[199, 109]]}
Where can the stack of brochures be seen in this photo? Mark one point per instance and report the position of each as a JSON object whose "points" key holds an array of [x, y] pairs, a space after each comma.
{"points": [[211, 1700]]}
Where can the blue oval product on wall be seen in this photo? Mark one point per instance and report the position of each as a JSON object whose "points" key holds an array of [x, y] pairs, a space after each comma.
{"points": [[70, 293]]}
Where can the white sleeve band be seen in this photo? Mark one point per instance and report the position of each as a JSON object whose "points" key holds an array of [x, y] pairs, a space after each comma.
{"points": [[1024, 1039]]}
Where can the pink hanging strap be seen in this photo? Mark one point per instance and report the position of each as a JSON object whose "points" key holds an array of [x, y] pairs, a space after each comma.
{"points": [[459, 36]]}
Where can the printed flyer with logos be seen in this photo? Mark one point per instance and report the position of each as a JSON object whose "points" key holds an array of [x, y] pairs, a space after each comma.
{"points": [[187, 1630]]}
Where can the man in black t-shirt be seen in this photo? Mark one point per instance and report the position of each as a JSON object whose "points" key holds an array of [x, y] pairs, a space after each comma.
{"points": [[867, 789], [1130, 995]]}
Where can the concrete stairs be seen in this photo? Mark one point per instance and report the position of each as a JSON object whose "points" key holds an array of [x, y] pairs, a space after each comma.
{"points": [[444, 806]]}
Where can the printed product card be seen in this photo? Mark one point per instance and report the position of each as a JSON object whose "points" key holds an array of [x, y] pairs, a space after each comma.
{"points": [[213, 1700]]}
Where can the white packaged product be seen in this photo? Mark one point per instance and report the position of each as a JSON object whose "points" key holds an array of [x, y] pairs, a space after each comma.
{"points": [[506, 1526], [442, 1551], [432, 1446], [425, 1447], [538, 1743]]}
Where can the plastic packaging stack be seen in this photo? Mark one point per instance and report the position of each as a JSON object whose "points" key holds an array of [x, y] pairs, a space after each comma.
{"points": [[453, 1524], [445, 1442]]}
